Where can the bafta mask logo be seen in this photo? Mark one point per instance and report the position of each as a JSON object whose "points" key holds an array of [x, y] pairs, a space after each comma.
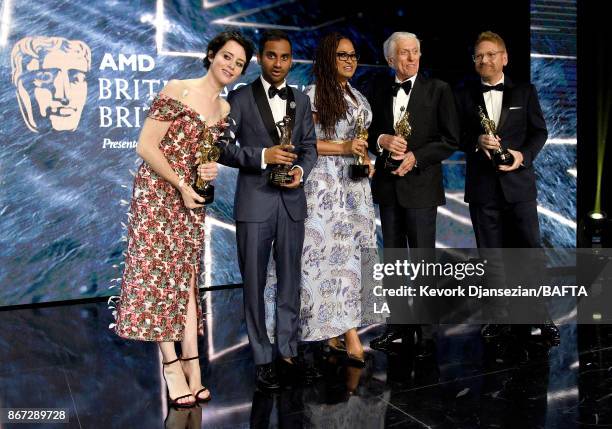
{"points": [[49, 74]]}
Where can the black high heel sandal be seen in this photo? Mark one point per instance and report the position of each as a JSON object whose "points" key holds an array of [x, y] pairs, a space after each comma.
{"points": [[339, 348], [173, 402], [203, 389], [355, 360]]}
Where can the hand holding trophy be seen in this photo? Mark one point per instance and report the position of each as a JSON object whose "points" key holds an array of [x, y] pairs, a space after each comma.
{"points": [[500, 156], [402, 129], [207, 152], [280, 173], [359, 170]]}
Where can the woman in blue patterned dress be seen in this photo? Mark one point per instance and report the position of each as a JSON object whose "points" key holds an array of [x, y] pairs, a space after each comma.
{"points": [[341, 218]]}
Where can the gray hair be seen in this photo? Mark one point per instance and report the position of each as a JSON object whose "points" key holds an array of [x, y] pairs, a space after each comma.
{"points": [[389, 45]]}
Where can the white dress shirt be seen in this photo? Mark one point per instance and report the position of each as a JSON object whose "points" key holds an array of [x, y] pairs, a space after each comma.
{"points": [[279, 110], [278, 107], [401, 99], [277, 104], [493, 101]]}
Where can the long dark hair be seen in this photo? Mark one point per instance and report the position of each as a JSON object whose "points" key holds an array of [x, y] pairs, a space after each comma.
{"points": [[329, 97]]}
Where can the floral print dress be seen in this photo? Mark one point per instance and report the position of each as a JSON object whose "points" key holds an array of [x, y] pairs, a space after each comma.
{"points": [[341, 221], [165, 239]]}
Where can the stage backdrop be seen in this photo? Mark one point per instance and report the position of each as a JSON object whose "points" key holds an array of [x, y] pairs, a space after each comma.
{"points": [[77, 77]]}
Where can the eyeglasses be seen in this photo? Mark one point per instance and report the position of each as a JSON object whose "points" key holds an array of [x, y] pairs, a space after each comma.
{"points": [[345, 56], [489, 55]]}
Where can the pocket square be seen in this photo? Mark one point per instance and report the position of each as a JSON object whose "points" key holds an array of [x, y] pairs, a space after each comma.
{"points": [[516, 107]]}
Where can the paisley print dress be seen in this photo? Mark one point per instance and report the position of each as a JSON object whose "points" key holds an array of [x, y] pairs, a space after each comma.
{"points": [[341, 221]]}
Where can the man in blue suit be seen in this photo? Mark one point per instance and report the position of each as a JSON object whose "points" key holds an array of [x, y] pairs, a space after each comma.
{"points": [[270, 217]]}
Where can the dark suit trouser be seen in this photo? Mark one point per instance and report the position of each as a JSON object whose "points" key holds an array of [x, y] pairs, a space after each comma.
{"points": [[255, 241], [499, 224], [414, 228]]}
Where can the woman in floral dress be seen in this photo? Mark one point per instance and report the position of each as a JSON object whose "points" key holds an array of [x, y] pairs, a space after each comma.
{"points": [[159, 294], [341, 218]]}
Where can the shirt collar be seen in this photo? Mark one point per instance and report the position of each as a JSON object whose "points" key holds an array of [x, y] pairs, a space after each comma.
{"points": [[267, 85], [413, 79]]}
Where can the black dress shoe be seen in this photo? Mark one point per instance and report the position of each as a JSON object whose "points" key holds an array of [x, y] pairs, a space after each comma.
{"points": [[425, 349], [311, 372], [266, 377], [296, 371], [550, 333], [493, 330], [383, 342], [288, 372]]}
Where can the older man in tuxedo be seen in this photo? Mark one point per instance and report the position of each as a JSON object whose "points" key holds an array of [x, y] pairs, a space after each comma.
{"points": [[409, 192]]}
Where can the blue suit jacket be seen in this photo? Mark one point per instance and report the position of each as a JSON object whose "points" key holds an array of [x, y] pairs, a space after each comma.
{"points": [[252, 126]]}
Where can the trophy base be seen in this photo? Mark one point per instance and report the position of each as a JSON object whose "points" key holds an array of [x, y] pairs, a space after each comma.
{"points": [[358, 171], [503, 158], [392, 164], [280, 177], [208, 193]]}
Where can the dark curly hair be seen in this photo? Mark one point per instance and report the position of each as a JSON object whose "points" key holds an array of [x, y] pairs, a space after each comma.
{"points": [[221, 39], [329, 96]]}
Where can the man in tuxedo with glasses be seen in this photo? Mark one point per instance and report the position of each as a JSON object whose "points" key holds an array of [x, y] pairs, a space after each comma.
{"points": [[502, 198]]}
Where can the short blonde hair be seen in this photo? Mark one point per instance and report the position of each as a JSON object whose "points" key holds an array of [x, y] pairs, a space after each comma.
{"points": [[489, 36]]}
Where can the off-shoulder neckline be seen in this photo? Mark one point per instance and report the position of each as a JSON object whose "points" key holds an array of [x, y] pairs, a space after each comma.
{"points": [[199, 116]]}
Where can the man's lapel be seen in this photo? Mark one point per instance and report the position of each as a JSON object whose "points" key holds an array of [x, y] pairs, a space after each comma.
{"points": [[417, 95], [291, 107], [261, 100], [507, 98], [478, 98], [388, 104]]}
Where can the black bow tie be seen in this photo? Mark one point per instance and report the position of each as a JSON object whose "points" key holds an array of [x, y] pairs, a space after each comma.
{"points": [[487, 88], [282, 93], [407, 85]]}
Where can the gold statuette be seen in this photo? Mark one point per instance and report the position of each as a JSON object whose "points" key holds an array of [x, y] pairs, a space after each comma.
{"points": [[402, 129], [499, 156], [207, 152], [359, 170], [280, 173]]}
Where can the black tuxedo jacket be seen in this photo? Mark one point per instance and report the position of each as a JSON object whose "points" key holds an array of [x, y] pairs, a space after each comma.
{"points": [[435, 136], [521, 127], [252, 125]]}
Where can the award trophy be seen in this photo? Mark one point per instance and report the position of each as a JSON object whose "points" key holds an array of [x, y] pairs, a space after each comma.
{"points": [[359, 170], [499, 156], [280, 173], [208, 152], [402, 129]]}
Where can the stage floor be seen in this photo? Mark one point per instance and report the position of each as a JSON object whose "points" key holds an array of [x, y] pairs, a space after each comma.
{"points": [[66, 356]]}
